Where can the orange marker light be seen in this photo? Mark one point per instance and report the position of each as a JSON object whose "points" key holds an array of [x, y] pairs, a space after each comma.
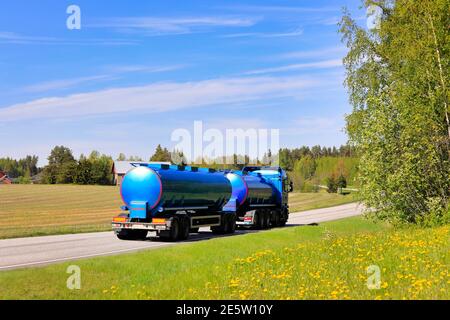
{"points": [[119, 219], [159, 220]]}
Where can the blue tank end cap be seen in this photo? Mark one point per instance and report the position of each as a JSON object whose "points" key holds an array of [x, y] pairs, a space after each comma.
{"points": [[239, 188], [141, 184]]}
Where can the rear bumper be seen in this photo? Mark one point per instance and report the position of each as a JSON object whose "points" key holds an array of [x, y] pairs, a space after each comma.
{"points": [[117, 226]]}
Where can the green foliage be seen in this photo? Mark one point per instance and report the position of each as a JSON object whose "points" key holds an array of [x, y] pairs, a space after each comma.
{"points": [[331, 185], [122, 157], [341, 182], [161, 154], [63, 168], [24, 180], [311, 172], [437, 214], [397, 76], [21, 167], [346, 166]]}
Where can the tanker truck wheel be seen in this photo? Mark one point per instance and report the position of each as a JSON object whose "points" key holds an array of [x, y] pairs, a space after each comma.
{"points": [[276, 218], [184, 228], [258, 220], [284, 218], [232, 223], [266, 222], [174, 232], [224, 225]]}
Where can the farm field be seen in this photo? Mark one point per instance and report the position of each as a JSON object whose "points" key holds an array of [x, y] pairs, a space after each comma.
{"points": [[35, 210], [328, 261]]}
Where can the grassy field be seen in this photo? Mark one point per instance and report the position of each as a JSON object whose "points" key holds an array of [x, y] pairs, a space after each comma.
{"points": [[33, 210], [328, 261], [308, 201]]}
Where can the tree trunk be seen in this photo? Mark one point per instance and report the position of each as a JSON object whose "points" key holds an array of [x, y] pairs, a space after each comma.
{"points": [[441, 75]]}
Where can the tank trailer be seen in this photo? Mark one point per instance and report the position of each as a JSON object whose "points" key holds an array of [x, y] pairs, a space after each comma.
{"points": [[176, 200]]}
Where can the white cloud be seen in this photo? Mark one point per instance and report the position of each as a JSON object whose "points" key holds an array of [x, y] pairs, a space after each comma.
{"points": [[265, 34], [158, 97], [114, 73], [288, 9], [64, 83], [174, 26], [143, 68], [325, 64], [334, 52], [20, 39], [314, 124]]}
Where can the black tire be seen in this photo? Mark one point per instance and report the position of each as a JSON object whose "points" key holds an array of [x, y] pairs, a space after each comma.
{"points": [[232, 223], [266, 219], [184, 229], [284, 218], [276, 218], [258, 220], [127, 234], [174, 232], [224, 225]]}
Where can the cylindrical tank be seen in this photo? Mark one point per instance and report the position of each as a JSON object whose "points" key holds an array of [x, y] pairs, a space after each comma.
{"points": [[176, 188], [259, 191]]}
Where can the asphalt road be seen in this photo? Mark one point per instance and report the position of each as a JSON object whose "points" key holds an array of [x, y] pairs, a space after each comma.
{"points": [[36, 251]]}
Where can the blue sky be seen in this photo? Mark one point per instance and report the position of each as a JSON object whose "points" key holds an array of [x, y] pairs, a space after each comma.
{"points": [[137, 70]]}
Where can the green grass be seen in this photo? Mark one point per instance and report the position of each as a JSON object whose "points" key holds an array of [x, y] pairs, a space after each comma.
{"points": [[32, 210], [328, 261], [35, 210], [299, 201]]}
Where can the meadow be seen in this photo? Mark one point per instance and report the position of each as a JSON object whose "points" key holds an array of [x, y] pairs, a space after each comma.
{"points": [[328, 261], [34, 210]]}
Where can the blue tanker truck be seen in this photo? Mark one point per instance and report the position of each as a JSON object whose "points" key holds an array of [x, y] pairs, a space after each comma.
{"points": [[176, 200]]}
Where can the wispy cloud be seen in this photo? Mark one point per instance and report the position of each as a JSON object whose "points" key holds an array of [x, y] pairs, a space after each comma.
{"points": [[114, 73], [171, 26], [331, 21], [295, 33], [64, 83], [143, 68], [158, 97], [325, 64], [336, 51], [291, 9], [20, 39], [313, 124]]}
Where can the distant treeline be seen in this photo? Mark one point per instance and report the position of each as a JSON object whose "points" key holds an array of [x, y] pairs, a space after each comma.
{"points": [[23, 168], [64, 168], [307, 167]]}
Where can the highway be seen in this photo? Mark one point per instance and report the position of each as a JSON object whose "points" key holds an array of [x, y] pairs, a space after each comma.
{"points": [[38, 251]]}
